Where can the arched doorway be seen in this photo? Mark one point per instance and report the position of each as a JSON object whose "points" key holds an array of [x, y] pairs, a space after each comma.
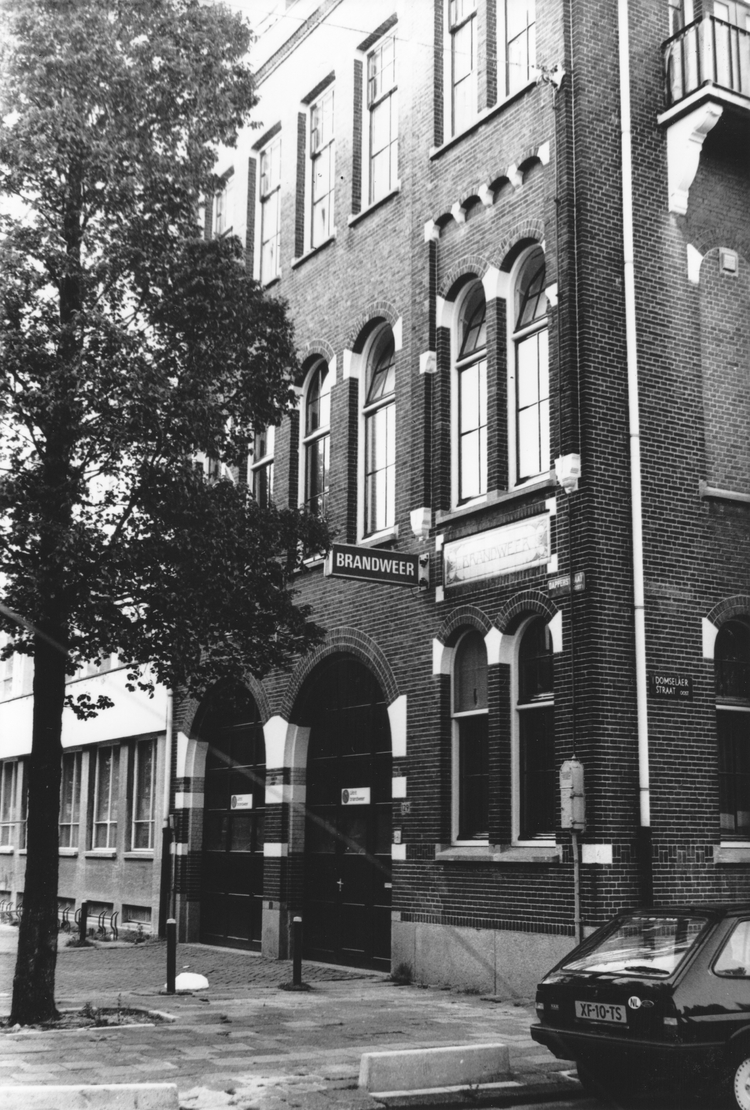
{"points": [[347, 889], [232, 857]]}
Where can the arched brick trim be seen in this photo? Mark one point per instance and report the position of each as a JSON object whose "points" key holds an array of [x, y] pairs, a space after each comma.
{"points": [[729, 242], [192, 716], [737, 606], [529, 601], [708, 240], [463, 617], [316, 348], [344, 639], [382, 310], [523, 232], [471, 264]]}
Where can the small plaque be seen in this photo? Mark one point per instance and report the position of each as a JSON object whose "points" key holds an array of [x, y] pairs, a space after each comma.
{"points": [[242, 801], [356, 796], [405, 808]]}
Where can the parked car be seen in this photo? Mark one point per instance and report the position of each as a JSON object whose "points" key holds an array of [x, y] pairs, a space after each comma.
{"points": [[656, 998]]}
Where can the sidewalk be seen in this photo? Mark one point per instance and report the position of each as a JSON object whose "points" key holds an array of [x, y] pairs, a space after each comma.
{"points": [[247, 1044]]}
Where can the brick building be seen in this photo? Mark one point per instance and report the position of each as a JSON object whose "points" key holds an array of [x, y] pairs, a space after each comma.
{"points": [[514, 237]]}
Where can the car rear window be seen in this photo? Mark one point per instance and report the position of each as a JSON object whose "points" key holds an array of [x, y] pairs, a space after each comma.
{"points": [[642, 944]]}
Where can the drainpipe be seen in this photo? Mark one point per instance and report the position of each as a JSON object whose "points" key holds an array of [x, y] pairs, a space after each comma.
{"points": [[639, 614]]}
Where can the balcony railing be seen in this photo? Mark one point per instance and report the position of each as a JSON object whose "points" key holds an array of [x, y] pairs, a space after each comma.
{"points": [[707, 52]]}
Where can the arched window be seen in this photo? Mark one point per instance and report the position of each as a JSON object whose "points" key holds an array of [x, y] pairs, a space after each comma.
{"points": [[471, 380], [531, 358], [380, 434], [316, 439], [470, 739], [732, 674], [536, 733]]}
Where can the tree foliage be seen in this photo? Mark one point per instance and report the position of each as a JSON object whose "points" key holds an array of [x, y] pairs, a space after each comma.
{"points": [[130, 347]]}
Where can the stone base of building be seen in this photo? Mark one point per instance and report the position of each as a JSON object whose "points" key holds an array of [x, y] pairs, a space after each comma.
{"points": [[500, 962]]}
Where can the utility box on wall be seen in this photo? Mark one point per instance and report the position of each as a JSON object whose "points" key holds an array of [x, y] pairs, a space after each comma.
{"points": [[572, 796]]}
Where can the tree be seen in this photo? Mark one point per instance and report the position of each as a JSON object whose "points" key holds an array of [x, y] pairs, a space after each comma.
{"points": [[129, 346]]}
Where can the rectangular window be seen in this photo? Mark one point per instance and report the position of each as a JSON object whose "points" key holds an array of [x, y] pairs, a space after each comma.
{"points": [[383, 117], [472, 430], [270, 209], [106, 789], [223, 206], [463, 61], [537, 771], [317, 467], [520, 43], [70, 799], [380, 468], [733, 727], [261, 466], [322, 168], [144, 787], [8, 784], [532, 401], [473, 777]]}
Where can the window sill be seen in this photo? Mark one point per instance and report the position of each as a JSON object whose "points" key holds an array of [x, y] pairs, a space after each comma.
{"points": [[483, 117], [357, 216], [272, 281], [713, 493], [388, 535], [101, 853], [139, 853], [731, 853], [7, 849], [69, 852], [498, 853], [495, 497], [313, 251]]}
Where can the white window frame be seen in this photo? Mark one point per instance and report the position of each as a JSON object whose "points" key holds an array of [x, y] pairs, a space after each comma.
{"points": [[110, 822], [318, 155], [324, 431], [468, 18], [259, 463], [456, 718], [361, 369], [136, 822], [514, 339], [223, 208], [372, 105], [9, 802], [455, 324], [73, 826], [506, 83], [515, 735], [725, 706], [269, 209]]}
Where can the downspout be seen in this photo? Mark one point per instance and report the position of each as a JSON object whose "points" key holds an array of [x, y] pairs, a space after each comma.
{"points": [[639, 613]]}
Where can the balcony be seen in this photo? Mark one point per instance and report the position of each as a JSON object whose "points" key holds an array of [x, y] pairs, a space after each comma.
{"points": [[707, 73]]}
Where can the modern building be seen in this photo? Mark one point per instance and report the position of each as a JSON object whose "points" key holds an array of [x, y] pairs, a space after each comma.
{"points": [[514, 237]]}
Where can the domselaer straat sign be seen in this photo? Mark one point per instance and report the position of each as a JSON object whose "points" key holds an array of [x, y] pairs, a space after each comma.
{"points": [[372, 564]]}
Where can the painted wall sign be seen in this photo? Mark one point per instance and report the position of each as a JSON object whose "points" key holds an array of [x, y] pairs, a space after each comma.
{"points": [[372, 564], [670, 686], [560, 584], [242, 801], [499, 551], [356, 796]]}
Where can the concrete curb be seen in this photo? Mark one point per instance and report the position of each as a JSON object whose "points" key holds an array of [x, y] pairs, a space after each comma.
{"points": [[493, 1096], [421, 1069], [104, 1096]]}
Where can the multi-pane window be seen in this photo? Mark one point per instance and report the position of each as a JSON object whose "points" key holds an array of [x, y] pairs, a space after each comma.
{"points": [[317, 440], [532, 370], [8, 789], [536, 733], [380, 434], [471, 739], [223, 200], [382, 107], [732, 674], [322, 168], [261, 466], [471, 380], [106, 790], [463, 62], [143, 795], [270, 209], [520, 43], [70, 799]]}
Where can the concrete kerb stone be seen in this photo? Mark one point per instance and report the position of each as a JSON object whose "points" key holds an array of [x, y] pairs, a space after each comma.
{"points": [[102, 1096], [419, 1069]]}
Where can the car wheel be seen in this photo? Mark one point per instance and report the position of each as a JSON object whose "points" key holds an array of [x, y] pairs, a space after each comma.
{"points": [[741, 1083]]}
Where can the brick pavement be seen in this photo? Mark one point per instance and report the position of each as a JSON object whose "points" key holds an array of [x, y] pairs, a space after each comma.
{"points": [[245, 1043]]}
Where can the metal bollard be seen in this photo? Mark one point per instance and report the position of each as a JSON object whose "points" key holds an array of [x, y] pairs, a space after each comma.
{"points": [[83, 921], [296, 951], [171, 954]]}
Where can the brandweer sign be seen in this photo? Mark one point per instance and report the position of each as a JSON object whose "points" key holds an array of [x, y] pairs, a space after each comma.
{"points": [[499, 551], [372, 565]]}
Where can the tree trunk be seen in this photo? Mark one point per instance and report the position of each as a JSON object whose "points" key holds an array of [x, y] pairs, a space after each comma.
{"points": [[34, 980]]}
